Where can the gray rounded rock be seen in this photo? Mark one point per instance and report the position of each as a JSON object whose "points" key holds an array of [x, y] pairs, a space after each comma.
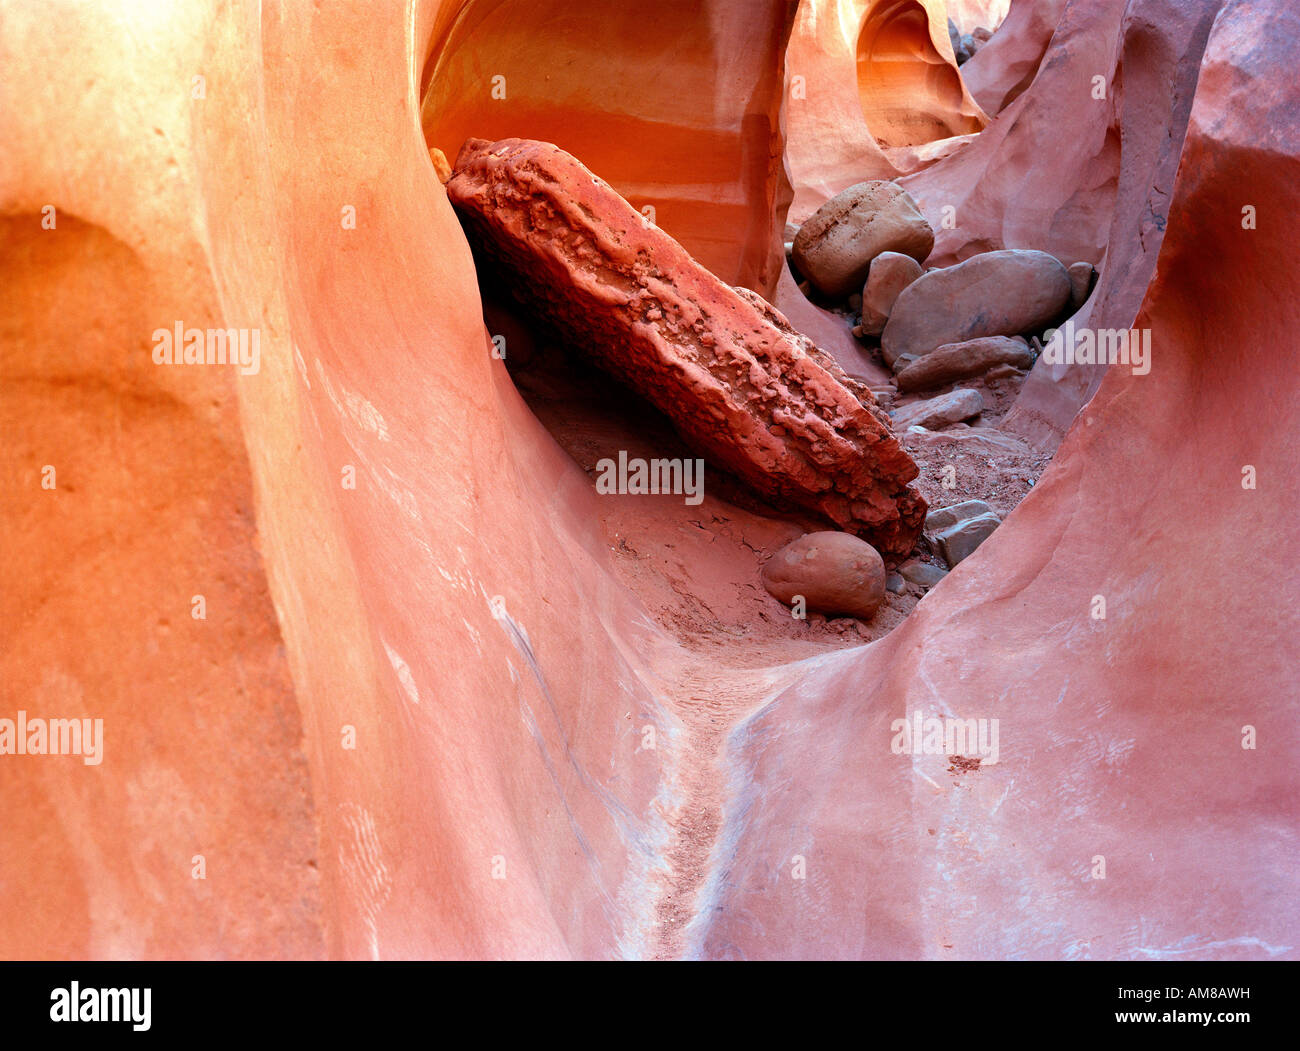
{"points": [[921, 573]]}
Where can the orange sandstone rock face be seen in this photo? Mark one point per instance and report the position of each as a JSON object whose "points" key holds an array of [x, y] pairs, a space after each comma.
{"points": [[873, 90], [463, 584], [677, 103], [737, 385], [224, 736], [908, 84]]}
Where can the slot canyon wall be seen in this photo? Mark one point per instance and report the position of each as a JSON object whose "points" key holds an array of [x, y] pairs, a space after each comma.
{"points": [[686, 122], [1130, 727], [874, 92], [414, 718]]}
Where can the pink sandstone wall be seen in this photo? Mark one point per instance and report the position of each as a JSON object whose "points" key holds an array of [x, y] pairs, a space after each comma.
{"points": [[1120, 738]]}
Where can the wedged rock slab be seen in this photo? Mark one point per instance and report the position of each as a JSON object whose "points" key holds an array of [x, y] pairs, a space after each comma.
{"points": [[960, 361], [835, 247], [994, 294], [890, 273], [956, 405], [986, 440], [824, 358], [737, 382]]}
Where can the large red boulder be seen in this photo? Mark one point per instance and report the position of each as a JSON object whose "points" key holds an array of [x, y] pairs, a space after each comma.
{"points": [[832, 572], [751, 394]]}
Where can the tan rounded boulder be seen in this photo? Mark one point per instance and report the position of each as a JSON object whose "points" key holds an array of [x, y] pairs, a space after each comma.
{"points": [[833, 572], [835, 247], [994, 294]]}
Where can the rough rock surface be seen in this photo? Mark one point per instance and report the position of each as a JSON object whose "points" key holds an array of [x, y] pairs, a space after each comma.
{"points": [[822, 357], [890, 273], [828, 330], [958, 361], [834, 572], [922, 574], [736, 385], [941, 518], [834, 249], [938, 412], [982, 441], [994, 294]]}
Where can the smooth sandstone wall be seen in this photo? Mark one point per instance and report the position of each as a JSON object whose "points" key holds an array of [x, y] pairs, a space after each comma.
{"points": [[455, 614]]}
